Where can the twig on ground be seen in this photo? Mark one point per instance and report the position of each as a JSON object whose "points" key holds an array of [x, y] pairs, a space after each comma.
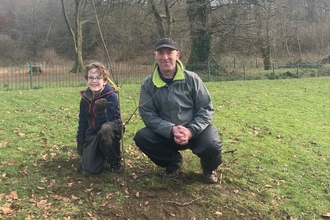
{"points": [[229, 151], [220, 179], [184, 204]]}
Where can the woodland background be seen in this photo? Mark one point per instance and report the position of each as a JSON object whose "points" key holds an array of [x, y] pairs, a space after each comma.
{"points": [[61, 31]]}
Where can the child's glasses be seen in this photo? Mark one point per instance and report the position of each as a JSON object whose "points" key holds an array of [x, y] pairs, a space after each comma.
{"points": [[91, 79]]}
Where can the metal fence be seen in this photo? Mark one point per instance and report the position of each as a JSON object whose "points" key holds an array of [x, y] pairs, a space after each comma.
{"points": [[36, 76]]}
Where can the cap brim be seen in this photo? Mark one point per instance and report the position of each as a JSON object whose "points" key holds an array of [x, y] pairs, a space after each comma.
{"points": [[167, 46]]}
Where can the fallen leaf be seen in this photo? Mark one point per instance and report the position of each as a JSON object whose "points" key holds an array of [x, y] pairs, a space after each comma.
{"points": [[104, 204], [12, 195], [52, 182], [6, 210], [134, 176], [126, 192], [43, 156], [217, 213], [74, 197], [326, 215], [88, 190], [57, 197], [42, 204], [3, 144], [24, 173]]}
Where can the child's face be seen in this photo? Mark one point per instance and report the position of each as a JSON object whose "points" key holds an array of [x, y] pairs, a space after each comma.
{"points": [[95, 81]]}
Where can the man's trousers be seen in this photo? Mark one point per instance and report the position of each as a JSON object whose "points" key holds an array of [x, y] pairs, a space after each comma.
{"points": [[164, 152]]}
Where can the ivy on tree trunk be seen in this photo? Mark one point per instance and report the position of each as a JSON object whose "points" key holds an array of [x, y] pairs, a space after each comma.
{"points": [[201, 56]]}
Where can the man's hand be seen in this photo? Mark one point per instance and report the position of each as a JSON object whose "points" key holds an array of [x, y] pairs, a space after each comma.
{"points": [[101, 104], [181, 134]]}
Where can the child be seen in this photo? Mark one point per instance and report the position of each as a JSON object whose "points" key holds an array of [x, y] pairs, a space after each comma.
{"points": [[100, 126]]}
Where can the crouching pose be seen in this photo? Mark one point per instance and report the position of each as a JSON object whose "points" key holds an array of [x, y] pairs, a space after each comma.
{"points": [[177, 110], [99, 127]]}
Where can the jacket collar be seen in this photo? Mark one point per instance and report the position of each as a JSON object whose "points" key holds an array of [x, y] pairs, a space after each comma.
{"points": [[158, 82]]}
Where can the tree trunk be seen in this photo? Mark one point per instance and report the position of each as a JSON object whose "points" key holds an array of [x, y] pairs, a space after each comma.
{"points": [[265, 51], [78, 58], [159, 21], [199, 18], [168, 29], [76, 35], [201, 54], [164, 30], [263, 37]]}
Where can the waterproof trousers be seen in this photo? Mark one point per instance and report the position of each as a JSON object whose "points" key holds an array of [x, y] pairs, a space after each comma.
{"points": [[97, 152], [164, 152]]}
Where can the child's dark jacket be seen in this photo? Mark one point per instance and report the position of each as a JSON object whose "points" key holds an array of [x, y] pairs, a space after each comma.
{"points": [[90, 122]]}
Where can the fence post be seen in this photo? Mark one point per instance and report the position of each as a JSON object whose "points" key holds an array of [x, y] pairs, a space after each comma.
{"points": [[318, 70], [273, 65], [297, 70], [234, 62], [244, 68], [209, 71], [31, 75]]}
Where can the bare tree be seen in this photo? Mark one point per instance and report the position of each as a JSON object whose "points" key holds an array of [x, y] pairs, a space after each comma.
{"points": [[76, 33], [163, 21], [263, 17]]}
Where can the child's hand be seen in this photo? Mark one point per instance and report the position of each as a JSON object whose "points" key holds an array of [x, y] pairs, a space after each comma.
{"points": [[101, 104]]}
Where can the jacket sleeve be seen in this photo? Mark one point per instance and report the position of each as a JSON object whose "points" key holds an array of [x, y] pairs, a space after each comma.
{"points": [[148, 111], [82, 121], [113, 111], [204, 110]]}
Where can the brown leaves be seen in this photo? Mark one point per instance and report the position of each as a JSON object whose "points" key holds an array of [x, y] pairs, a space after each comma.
{"points": [[19, 133], [3, 144], [43, 205], [6, 209], [326, 215]]}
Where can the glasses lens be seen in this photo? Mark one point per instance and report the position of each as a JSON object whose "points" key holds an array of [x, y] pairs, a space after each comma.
{"points": [[98, 78]]}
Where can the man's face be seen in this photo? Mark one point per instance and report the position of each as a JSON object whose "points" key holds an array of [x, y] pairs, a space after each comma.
{"points": [[166, 59], [94, 80]]}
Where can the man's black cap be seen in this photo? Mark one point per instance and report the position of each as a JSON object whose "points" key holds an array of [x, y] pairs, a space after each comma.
{"points": [[166, 42]]}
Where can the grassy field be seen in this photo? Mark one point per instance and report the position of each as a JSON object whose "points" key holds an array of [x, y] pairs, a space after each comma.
{"points": [[276, 158]]}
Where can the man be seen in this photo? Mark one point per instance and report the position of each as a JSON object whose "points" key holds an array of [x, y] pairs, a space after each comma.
{"points": [[99, 125], [177, 110]]}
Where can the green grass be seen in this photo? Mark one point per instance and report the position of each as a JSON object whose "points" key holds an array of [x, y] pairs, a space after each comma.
{"points": [[280, 170]]}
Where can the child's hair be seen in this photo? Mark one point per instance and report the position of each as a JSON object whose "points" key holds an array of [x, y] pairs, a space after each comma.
{"points": [[103, 71]]}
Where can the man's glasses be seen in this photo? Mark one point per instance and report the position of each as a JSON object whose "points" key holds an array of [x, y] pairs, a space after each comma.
{"points": [[98, 78]]}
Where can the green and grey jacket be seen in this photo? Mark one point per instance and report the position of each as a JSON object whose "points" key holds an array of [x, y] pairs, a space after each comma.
{"points": [[185, 102]]}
